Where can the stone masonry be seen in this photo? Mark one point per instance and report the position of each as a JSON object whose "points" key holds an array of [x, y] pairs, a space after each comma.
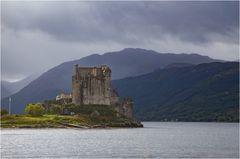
{"points": [[91, 85]]}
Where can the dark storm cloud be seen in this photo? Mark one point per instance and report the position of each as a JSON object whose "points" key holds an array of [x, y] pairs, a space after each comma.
{"points": [[39, 35], [127, 21]]}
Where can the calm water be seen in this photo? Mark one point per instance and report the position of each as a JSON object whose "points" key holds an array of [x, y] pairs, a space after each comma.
{"points": [[156, 140]]}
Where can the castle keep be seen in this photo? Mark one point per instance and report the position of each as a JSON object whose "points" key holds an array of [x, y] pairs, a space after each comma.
{"points": [[92, 85]]}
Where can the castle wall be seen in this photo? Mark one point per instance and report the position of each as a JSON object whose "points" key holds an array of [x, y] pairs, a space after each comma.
{"points": [[114, 99], [96, 91], [127, 107]]}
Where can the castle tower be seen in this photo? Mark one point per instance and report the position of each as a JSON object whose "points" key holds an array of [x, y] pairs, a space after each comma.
{"points": [[91, 85], [76, 87]]}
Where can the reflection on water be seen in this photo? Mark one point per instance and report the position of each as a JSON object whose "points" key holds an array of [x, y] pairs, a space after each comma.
{"points": [[156, 139]]}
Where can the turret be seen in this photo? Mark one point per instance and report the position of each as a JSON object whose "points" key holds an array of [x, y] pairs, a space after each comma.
{"points": [[76, 71]]}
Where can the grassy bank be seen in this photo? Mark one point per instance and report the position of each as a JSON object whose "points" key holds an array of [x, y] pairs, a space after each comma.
{"points": [[61, 121], [86, 117]]}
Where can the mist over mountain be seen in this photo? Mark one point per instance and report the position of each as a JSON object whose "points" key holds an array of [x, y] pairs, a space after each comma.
{"points": [[125, 63], [5, 90], [9, 88], [205, 92]]}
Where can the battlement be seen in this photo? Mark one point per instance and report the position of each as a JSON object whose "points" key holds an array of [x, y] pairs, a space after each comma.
{"points": [[100, 72]]}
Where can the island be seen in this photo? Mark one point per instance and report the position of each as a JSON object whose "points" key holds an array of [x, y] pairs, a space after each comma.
{"points": [[93, 103]]}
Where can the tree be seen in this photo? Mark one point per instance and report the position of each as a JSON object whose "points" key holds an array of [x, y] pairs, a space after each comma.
{"points": [[4, 112], [35, 109]]}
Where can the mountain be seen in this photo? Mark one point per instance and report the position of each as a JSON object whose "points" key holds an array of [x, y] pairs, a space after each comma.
{"points": [[9, 88], [132, 62], [204, 92], [124, 63], [178, 65]]}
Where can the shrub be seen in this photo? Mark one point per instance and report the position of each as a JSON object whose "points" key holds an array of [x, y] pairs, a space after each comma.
{"points": [[34, 109], [55, 109], [4, 112]]}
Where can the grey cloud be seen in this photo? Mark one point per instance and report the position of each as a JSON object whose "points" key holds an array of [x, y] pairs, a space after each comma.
{"points": [[39, 35], [127, 21]]}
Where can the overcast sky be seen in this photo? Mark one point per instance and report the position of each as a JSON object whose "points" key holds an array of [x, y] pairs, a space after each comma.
{"points": [[39, 35]]}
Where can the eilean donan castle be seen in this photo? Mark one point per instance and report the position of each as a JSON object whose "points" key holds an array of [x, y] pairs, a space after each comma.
{"points": [[92, 85]]}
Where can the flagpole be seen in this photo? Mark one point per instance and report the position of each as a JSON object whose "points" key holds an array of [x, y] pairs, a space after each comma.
{"points": [[9, 105]]}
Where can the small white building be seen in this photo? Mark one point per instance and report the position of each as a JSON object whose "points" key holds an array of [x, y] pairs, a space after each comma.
{"points": [[63, 96]]}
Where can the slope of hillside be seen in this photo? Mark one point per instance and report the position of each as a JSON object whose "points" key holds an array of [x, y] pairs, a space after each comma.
{"points": [[205, 92], [125, 63], [5, 91], [9, 88]]}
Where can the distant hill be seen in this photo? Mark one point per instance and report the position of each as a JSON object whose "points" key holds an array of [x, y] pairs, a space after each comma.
{"points": [[9, 88], [205, 92], [124, 63]]}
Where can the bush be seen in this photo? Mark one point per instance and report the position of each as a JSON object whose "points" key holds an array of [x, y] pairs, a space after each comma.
{"points": [[4, 112], [55, 109], [35, 109]]}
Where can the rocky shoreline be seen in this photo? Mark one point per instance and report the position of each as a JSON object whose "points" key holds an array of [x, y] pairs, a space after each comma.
{"points": [[133, 124]]}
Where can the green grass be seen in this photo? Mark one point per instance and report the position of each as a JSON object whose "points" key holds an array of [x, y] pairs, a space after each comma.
{"points": [[24, 119], [107, 115], [16, 121], [45, 119]]}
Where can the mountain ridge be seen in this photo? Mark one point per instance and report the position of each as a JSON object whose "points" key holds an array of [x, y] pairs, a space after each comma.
{"points": [[204, 92], [58, 78]]}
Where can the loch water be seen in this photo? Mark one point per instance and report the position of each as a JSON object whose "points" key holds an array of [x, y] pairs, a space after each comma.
{"points": [[155, 140]]}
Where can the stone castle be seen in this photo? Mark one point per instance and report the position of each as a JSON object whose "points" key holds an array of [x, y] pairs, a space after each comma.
{"points": [[92, 85]]}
